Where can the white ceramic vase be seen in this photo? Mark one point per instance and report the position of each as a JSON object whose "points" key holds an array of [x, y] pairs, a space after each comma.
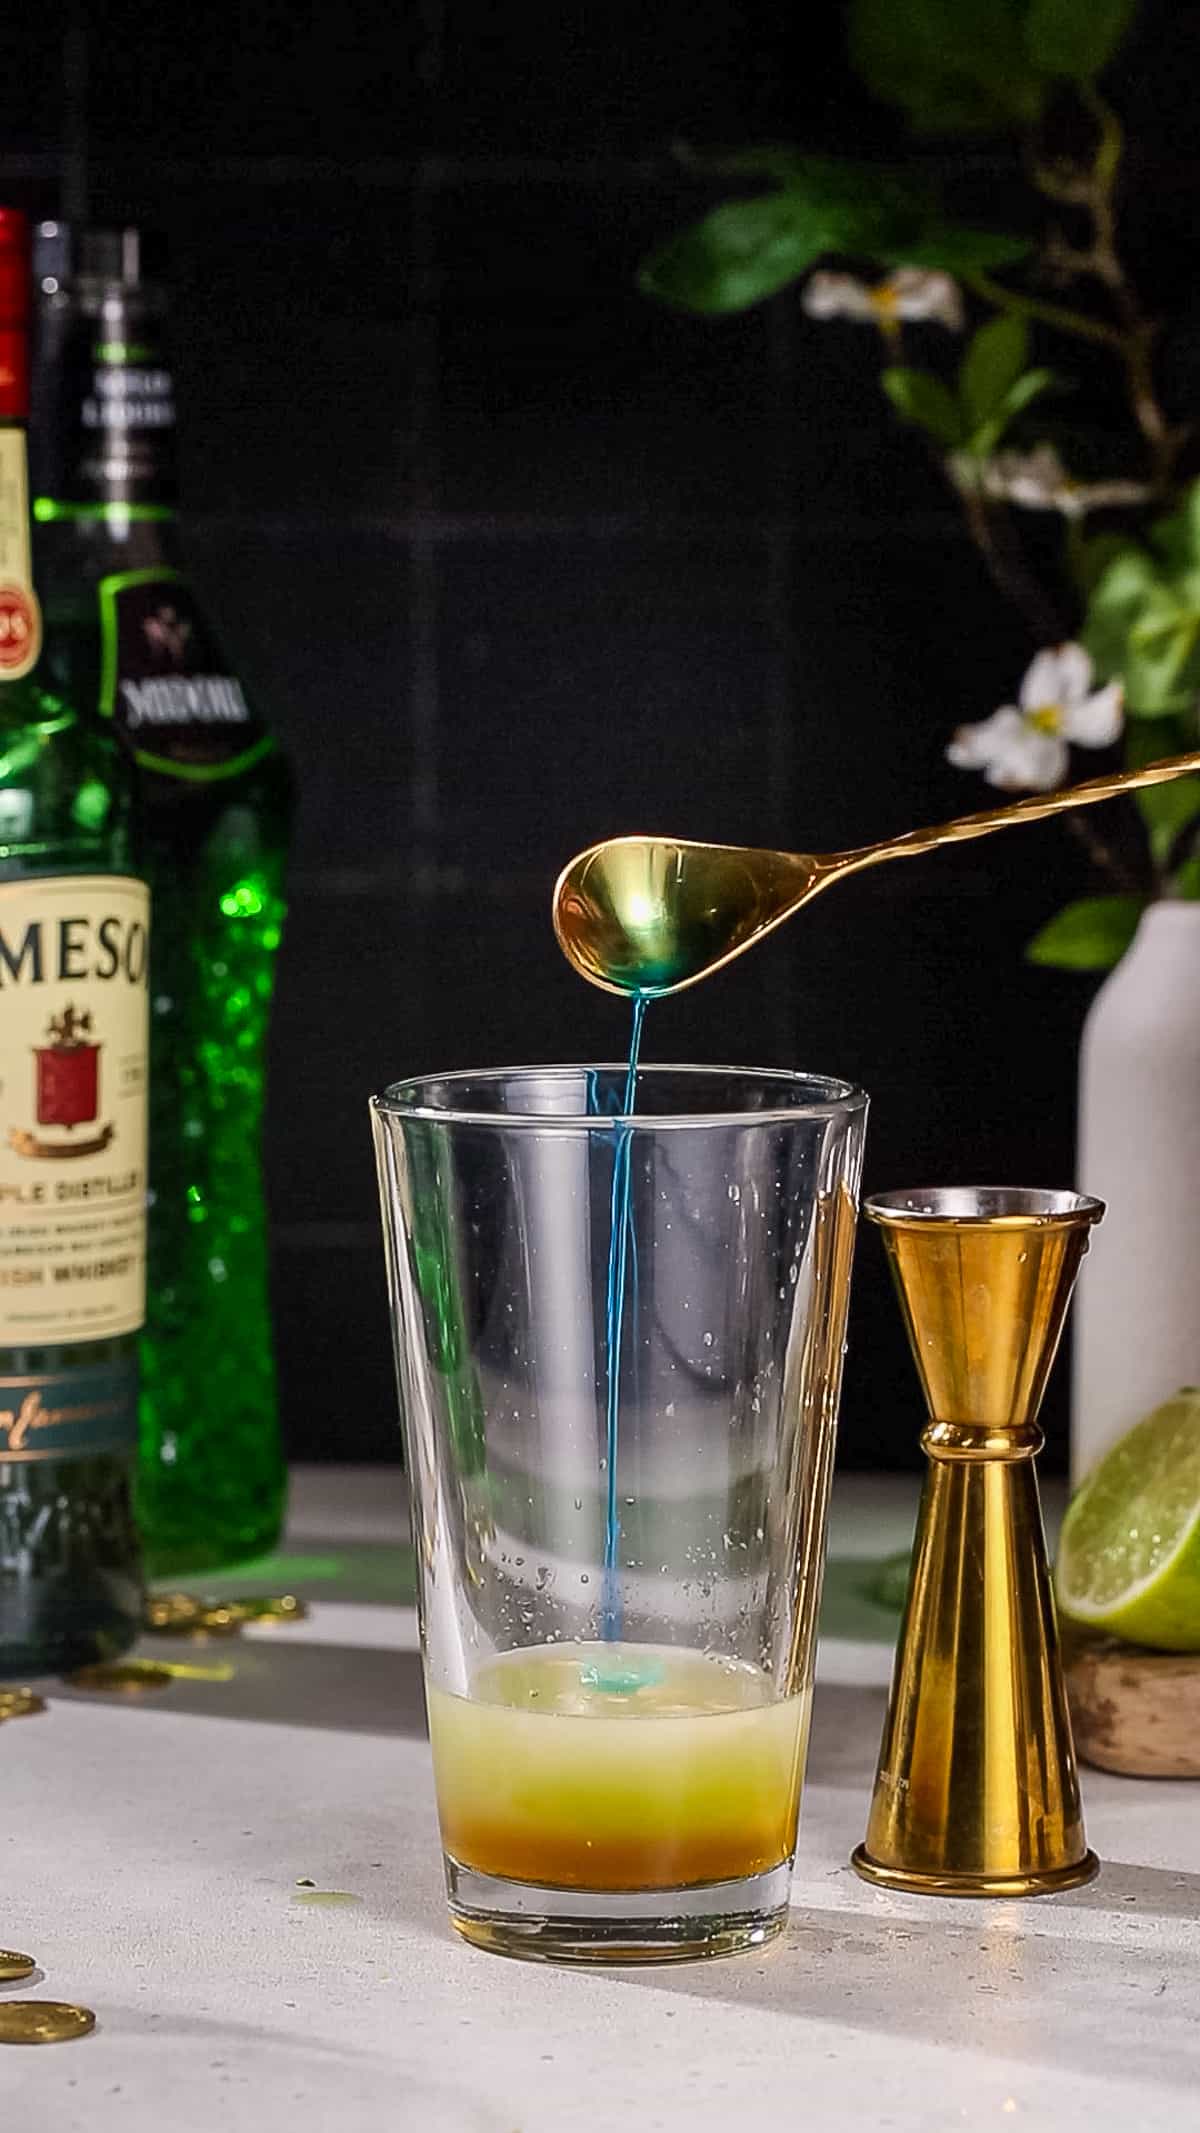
{"points": [[1137, 1314]]}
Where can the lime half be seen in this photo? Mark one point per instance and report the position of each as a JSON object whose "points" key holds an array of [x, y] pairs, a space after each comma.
{"points": [[1129, 1556]]}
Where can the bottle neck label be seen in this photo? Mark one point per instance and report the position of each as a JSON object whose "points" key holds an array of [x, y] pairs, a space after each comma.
{"points": [[165, 684], [104, 416], [20, 615]]}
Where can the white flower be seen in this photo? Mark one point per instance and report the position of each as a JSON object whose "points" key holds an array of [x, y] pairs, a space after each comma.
{"points": [[1025, 748], [1036, 479], [909, 293], [1039, 481]]}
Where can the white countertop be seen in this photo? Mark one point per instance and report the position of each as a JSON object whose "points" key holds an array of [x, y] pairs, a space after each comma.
{"points": [[152, 1851]]}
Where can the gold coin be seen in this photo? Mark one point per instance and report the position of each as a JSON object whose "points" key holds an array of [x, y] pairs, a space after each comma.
{"points": [[121, 1677], [212, 1619], [219, 1620], [172, 1610], [43, 2021], [269, 1607], [183, 1614], [14, 1966], [20, 1703]]}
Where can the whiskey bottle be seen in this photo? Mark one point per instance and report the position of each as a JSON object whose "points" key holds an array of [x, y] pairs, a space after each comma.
{"points": [[73, 1041]]}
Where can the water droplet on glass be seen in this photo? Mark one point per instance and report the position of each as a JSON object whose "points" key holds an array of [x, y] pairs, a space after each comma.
{"points": [[707, 1339]]}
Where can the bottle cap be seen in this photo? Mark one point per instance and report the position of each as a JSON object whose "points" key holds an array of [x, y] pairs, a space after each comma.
{"points": [[14, 315]]}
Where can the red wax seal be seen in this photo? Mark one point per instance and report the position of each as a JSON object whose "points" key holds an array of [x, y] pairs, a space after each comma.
{"points": [[68, 1080], [20, 629], [14, 315], [67, 1085]]}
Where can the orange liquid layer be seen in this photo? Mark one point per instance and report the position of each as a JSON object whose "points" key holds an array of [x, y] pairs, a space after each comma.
{"points": [[608, 1767]]}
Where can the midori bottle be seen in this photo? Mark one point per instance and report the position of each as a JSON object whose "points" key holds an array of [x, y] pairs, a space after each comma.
{"points": [[212, 813], [73, 1038]]}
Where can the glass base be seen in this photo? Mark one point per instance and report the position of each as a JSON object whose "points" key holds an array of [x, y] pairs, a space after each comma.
{"points": [[545, 1925]]}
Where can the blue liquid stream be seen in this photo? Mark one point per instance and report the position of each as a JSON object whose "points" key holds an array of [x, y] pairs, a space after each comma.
{"points": [[620, 1238]]}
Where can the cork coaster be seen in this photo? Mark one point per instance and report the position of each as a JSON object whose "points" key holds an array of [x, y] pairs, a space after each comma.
{"points": [[1134, 1711]]}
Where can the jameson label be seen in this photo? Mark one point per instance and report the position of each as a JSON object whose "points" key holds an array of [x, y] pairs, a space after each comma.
{"points": [[69, 1413], [164, 682], [20, 615], [73, 1033]]}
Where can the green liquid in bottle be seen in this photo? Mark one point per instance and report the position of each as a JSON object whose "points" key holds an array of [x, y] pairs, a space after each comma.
{"points": [[213, 804]]}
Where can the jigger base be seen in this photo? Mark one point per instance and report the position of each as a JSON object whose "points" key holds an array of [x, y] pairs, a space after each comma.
{"points": [[1047, 1883]]}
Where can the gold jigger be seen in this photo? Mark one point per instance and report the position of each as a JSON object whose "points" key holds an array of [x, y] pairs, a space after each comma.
{"points": [[976, 1793]]}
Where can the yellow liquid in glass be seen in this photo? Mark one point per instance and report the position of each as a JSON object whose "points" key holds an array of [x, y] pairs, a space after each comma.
{"points": [[618, 1766]]}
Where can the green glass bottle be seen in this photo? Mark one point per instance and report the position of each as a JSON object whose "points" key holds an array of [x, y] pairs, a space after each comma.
{"points": [[73, 1043], [213, 804]]}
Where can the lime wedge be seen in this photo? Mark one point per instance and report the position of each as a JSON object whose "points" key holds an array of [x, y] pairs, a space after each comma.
{"points": [[1129, 1556]]}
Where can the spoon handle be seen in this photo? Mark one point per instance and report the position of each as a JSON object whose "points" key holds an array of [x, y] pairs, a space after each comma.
{"points": [[1034, 809]]}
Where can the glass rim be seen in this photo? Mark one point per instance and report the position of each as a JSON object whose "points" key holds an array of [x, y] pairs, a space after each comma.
{"points": [[837, 1098], [981, 1207]]}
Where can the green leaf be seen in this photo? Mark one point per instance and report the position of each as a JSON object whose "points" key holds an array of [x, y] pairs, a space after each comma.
{"points": [[983, 441], [953, 66], [1166, 811], [923, 399], [1092, 934], [1090, 555], [1076, 38], [741, 253], [1149, 740], [750, 249], [1177, 539], [1162, 657], [1185, 881], [958, 251], [1128, 582], [1144, 630], [1027, 389], [994, 360]]}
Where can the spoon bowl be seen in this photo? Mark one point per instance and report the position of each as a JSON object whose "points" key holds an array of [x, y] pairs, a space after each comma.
{"points": [[652, 915]]}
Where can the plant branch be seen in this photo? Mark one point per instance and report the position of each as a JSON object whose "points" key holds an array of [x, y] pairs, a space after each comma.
{"points": [[1102, 855], [1007, 566], [1094, 190], [1035, 307]]}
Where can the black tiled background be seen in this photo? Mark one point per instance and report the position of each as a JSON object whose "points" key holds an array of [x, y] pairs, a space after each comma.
{"points": [[515, 558]]}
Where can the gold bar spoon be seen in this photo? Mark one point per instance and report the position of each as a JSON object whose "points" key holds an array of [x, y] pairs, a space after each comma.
{"points": [[652, 915]]}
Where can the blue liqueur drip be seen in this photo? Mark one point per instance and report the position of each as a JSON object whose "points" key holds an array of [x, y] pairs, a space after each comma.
{"points": [[620, 1233]]}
